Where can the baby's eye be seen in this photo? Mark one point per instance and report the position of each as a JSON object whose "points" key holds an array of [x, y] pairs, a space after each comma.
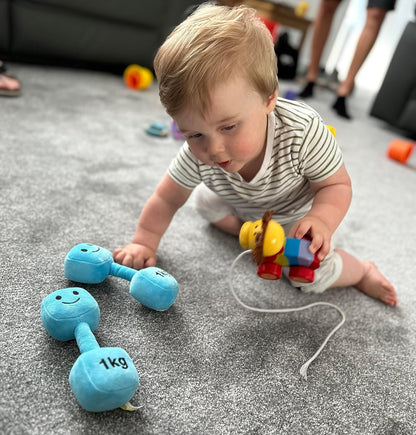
{"points": [[195, 136], [229, 127]]}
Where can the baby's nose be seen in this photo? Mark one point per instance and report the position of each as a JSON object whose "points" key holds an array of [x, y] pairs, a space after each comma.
{"points": [[214, 148]]}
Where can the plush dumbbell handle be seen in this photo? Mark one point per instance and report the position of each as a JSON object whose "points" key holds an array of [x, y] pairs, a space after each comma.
{"points": [[122, 271], [85, 338]]}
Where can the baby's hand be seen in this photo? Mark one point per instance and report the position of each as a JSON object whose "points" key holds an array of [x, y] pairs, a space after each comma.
{"points": [[135, 256], [318, 232]]}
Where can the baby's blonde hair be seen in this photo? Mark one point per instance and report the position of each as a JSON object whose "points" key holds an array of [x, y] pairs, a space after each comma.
{"points": [[211, 46]]}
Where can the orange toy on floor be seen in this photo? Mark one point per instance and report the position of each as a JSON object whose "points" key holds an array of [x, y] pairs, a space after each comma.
{"points": [[400, 150]]}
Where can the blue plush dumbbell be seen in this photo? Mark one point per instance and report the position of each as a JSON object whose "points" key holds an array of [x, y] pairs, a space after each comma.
{"points": [[102, 378], [90, 264]]}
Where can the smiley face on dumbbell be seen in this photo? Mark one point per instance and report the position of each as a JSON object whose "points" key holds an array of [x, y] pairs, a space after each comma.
{"points": [[64, 309], [88, 263]]}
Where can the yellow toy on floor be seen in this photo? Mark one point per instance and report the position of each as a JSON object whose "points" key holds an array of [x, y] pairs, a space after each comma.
{"points": [[137, 77]]}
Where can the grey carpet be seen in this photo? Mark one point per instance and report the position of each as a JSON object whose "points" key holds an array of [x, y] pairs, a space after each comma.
{"points": [[77, 166]]}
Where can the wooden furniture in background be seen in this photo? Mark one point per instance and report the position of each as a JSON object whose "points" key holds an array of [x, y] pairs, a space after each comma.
{"points": [[277, 12]]}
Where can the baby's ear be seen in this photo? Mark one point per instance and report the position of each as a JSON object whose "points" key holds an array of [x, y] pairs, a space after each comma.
{"points": [[271, 100]]}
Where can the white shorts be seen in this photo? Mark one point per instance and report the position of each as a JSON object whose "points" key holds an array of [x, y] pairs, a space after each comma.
{"points": [[209, 205]]}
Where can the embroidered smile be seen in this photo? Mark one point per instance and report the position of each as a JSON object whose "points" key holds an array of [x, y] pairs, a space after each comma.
{"points": [[70, 303]]}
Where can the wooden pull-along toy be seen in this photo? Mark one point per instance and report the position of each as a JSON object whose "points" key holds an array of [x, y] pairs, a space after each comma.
{"points": [[271, 250], [265, 240]]}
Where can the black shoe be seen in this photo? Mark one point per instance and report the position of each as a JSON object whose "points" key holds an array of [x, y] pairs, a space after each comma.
{"points": [[307, 91], [340, 106]]}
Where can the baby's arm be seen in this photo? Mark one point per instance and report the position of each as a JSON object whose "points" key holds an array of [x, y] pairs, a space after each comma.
{"points": [[332, 198], [154, 219]]}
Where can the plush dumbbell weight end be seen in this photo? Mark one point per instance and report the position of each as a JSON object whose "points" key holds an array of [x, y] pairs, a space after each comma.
{"points": [[104, 378], [154, 288], [101, 378], [91, 264]]}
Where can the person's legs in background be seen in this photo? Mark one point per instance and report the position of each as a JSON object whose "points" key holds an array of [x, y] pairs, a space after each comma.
{"points": [[375, 18], [322, 26], [376, 13]]}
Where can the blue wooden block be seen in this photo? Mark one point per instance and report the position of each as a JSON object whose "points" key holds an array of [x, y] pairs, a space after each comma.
{"points": [[305, 256], [292, 251]]}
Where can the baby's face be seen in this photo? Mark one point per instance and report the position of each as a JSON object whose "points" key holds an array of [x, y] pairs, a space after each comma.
{"points": [[232, 135]]}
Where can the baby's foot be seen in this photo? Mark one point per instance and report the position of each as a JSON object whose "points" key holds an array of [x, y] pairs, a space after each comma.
{"points": [[376, 285]]}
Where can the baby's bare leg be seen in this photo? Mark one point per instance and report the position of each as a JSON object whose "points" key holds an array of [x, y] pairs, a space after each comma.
{"points": [[231, 224], [365, 276]]}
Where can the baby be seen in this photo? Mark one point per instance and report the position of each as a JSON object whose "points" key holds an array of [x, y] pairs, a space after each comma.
{"points": [[247, 151]]}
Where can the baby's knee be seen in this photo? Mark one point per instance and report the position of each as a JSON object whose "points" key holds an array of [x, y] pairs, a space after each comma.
{"points": [[327, 274], [209, 205], [311, 287]]}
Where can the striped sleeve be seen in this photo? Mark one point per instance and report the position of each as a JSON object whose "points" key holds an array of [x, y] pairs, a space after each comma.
{"points": [[319, 154], [184, 168]]}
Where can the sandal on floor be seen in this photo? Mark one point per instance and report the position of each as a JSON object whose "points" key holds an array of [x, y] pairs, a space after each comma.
{"points": [[6, 91]]}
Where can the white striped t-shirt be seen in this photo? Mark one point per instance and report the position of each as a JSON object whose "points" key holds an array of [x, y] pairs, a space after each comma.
{"points": [[299, 149]]}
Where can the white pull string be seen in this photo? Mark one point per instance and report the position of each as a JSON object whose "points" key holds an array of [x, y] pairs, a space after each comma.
{"points": [[304, 368]]}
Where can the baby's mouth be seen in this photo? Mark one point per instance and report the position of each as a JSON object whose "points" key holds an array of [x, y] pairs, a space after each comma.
{"points": [[224, 164]]}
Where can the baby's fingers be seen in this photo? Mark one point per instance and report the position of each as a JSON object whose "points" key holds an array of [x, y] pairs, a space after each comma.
{"points": [[300, 231], [122, 257], [150, 261], [316, 244], [118, 255], [320, 247]]}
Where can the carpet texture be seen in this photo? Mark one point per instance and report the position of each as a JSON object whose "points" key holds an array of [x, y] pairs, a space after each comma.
{"points": [[77, 166]]}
